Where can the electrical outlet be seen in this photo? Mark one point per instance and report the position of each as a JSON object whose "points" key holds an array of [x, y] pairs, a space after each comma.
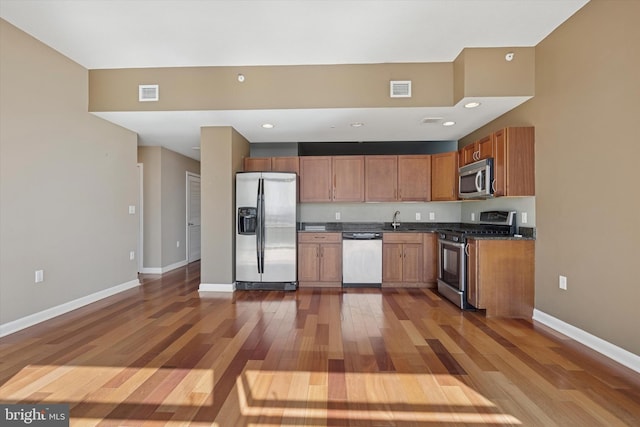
{"points": [[473, 216], [432, 216], [417, 216], [523, 218], [337, 216], [132, 209], [39, 276], [562, 282], [132, 256]]}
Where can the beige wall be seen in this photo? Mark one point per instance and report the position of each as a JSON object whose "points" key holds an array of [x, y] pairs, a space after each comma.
{"points": [[174, 195], [217, 88], [588, 205], [221, 152], [150, 157], [66, 181], [164, 205]]}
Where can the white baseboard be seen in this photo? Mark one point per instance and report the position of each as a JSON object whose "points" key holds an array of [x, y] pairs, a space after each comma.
{"points": [[217, 287], [33, 319], [162, 270], [620, 355]]}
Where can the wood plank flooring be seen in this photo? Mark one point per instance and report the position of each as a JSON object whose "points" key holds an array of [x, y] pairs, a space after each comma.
{"points": [[165, 355]]}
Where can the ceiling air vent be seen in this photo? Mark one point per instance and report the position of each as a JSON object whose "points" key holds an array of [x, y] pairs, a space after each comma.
{"points": [[431, 120], [400, 89], [148, 93]]}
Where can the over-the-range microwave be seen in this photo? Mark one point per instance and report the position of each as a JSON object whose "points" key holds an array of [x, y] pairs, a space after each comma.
{"points": [[475, 181]]}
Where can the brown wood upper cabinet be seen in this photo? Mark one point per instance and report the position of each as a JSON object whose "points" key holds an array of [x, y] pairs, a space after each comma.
{"points": [[514, 162], [397, 178], [327, 179], [444, 176], [513, 155], [479, 150], [257, 164], [272, 164]]}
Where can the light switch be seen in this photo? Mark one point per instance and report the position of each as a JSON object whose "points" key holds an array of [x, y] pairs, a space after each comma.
{"points": [[39, 276], [523, 218], [132, 209]]}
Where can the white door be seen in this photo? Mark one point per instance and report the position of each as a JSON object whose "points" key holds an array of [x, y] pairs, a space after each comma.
{"points": [[193, 217]]}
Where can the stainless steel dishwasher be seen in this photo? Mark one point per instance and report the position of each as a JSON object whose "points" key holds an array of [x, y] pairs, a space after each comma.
{"points": [[362, 259]]}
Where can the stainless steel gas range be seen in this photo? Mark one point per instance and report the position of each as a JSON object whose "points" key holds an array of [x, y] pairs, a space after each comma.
{"points": [[452, 253]]}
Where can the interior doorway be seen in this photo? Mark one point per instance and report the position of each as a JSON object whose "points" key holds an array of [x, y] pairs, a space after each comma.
{"points": [[193, 217]]}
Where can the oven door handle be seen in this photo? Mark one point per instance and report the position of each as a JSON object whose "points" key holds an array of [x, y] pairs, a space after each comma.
{"points": [[448, 243], [466, 249]]}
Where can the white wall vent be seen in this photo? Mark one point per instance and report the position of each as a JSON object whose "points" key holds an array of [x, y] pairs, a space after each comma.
{"points": [[148, 93], [431, 120], [400, 89]]}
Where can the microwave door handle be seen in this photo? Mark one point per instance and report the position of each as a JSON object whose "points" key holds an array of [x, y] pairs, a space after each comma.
{"points": [[479, 181]]}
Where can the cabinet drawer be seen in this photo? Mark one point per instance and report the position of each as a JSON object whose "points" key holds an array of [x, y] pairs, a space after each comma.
{"points": [[402, 238], [319, 237]]}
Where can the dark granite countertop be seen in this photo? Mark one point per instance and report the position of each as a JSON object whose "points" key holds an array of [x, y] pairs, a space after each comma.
{"points": [[526, 233]]}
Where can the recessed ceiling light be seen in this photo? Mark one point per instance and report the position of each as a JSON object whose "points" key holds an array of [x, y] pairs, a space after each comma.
{"points": [[357, 124], [472, 104], [449, 123], [268, 125], [241, 78]]}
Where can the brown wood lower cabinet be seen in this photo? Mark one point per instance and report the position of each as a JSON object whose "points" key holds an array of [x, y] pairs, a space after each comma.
{"points": [[430, 254], [501, 277], [320, 259], [402, 259]]}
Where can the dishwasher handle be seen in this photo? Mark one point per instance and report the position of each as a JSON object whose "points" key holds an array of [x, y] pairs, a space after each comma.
{"points": [[362, 236]]}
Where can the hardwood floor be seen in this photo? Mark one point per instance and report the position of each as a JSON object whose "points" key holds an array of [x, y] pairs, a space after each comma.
{"points": [[163, 354]]}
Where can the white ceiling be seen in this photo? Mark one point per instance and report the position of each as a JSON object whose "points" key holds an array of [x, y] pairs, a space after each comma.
{"points": [[166, 33]]}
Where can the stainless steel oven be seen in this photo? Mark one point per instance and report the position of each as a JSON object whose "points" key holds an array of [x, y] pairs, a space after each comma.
{"points": [[452, 270], [452, 256]]}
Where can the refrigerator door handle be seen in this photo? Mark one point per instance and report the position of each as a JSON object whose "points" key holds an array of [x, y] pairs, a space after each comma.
{"points": [[260, 219], [263, 227]]}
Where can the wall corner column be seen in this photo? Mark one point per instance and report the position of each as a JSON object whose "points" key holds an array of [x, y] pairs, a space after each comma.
{"points": [[221, 152]]}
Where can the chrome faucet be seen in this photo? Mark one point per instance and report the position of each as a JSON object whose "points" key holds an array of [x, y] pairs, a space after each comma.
{"points": [[395, 223]]}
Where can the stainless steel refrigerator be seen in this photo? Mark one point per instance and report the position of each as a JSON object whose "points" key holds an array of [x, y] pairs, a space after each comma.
{"points": [[266, 246]]}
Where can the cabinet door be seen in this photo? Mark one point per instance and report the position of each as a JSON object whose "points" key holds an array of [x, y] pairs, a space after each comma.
{"points": [[331, 262], [430, 255], [308, 262], [414, 178], [315, 179], [348, 173], [485, 147], [381, 178], [467, 154], [286, 164], [444, 176], [257, 164], [392, 262], [411, 262], [499, 163], [473, 288]]}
